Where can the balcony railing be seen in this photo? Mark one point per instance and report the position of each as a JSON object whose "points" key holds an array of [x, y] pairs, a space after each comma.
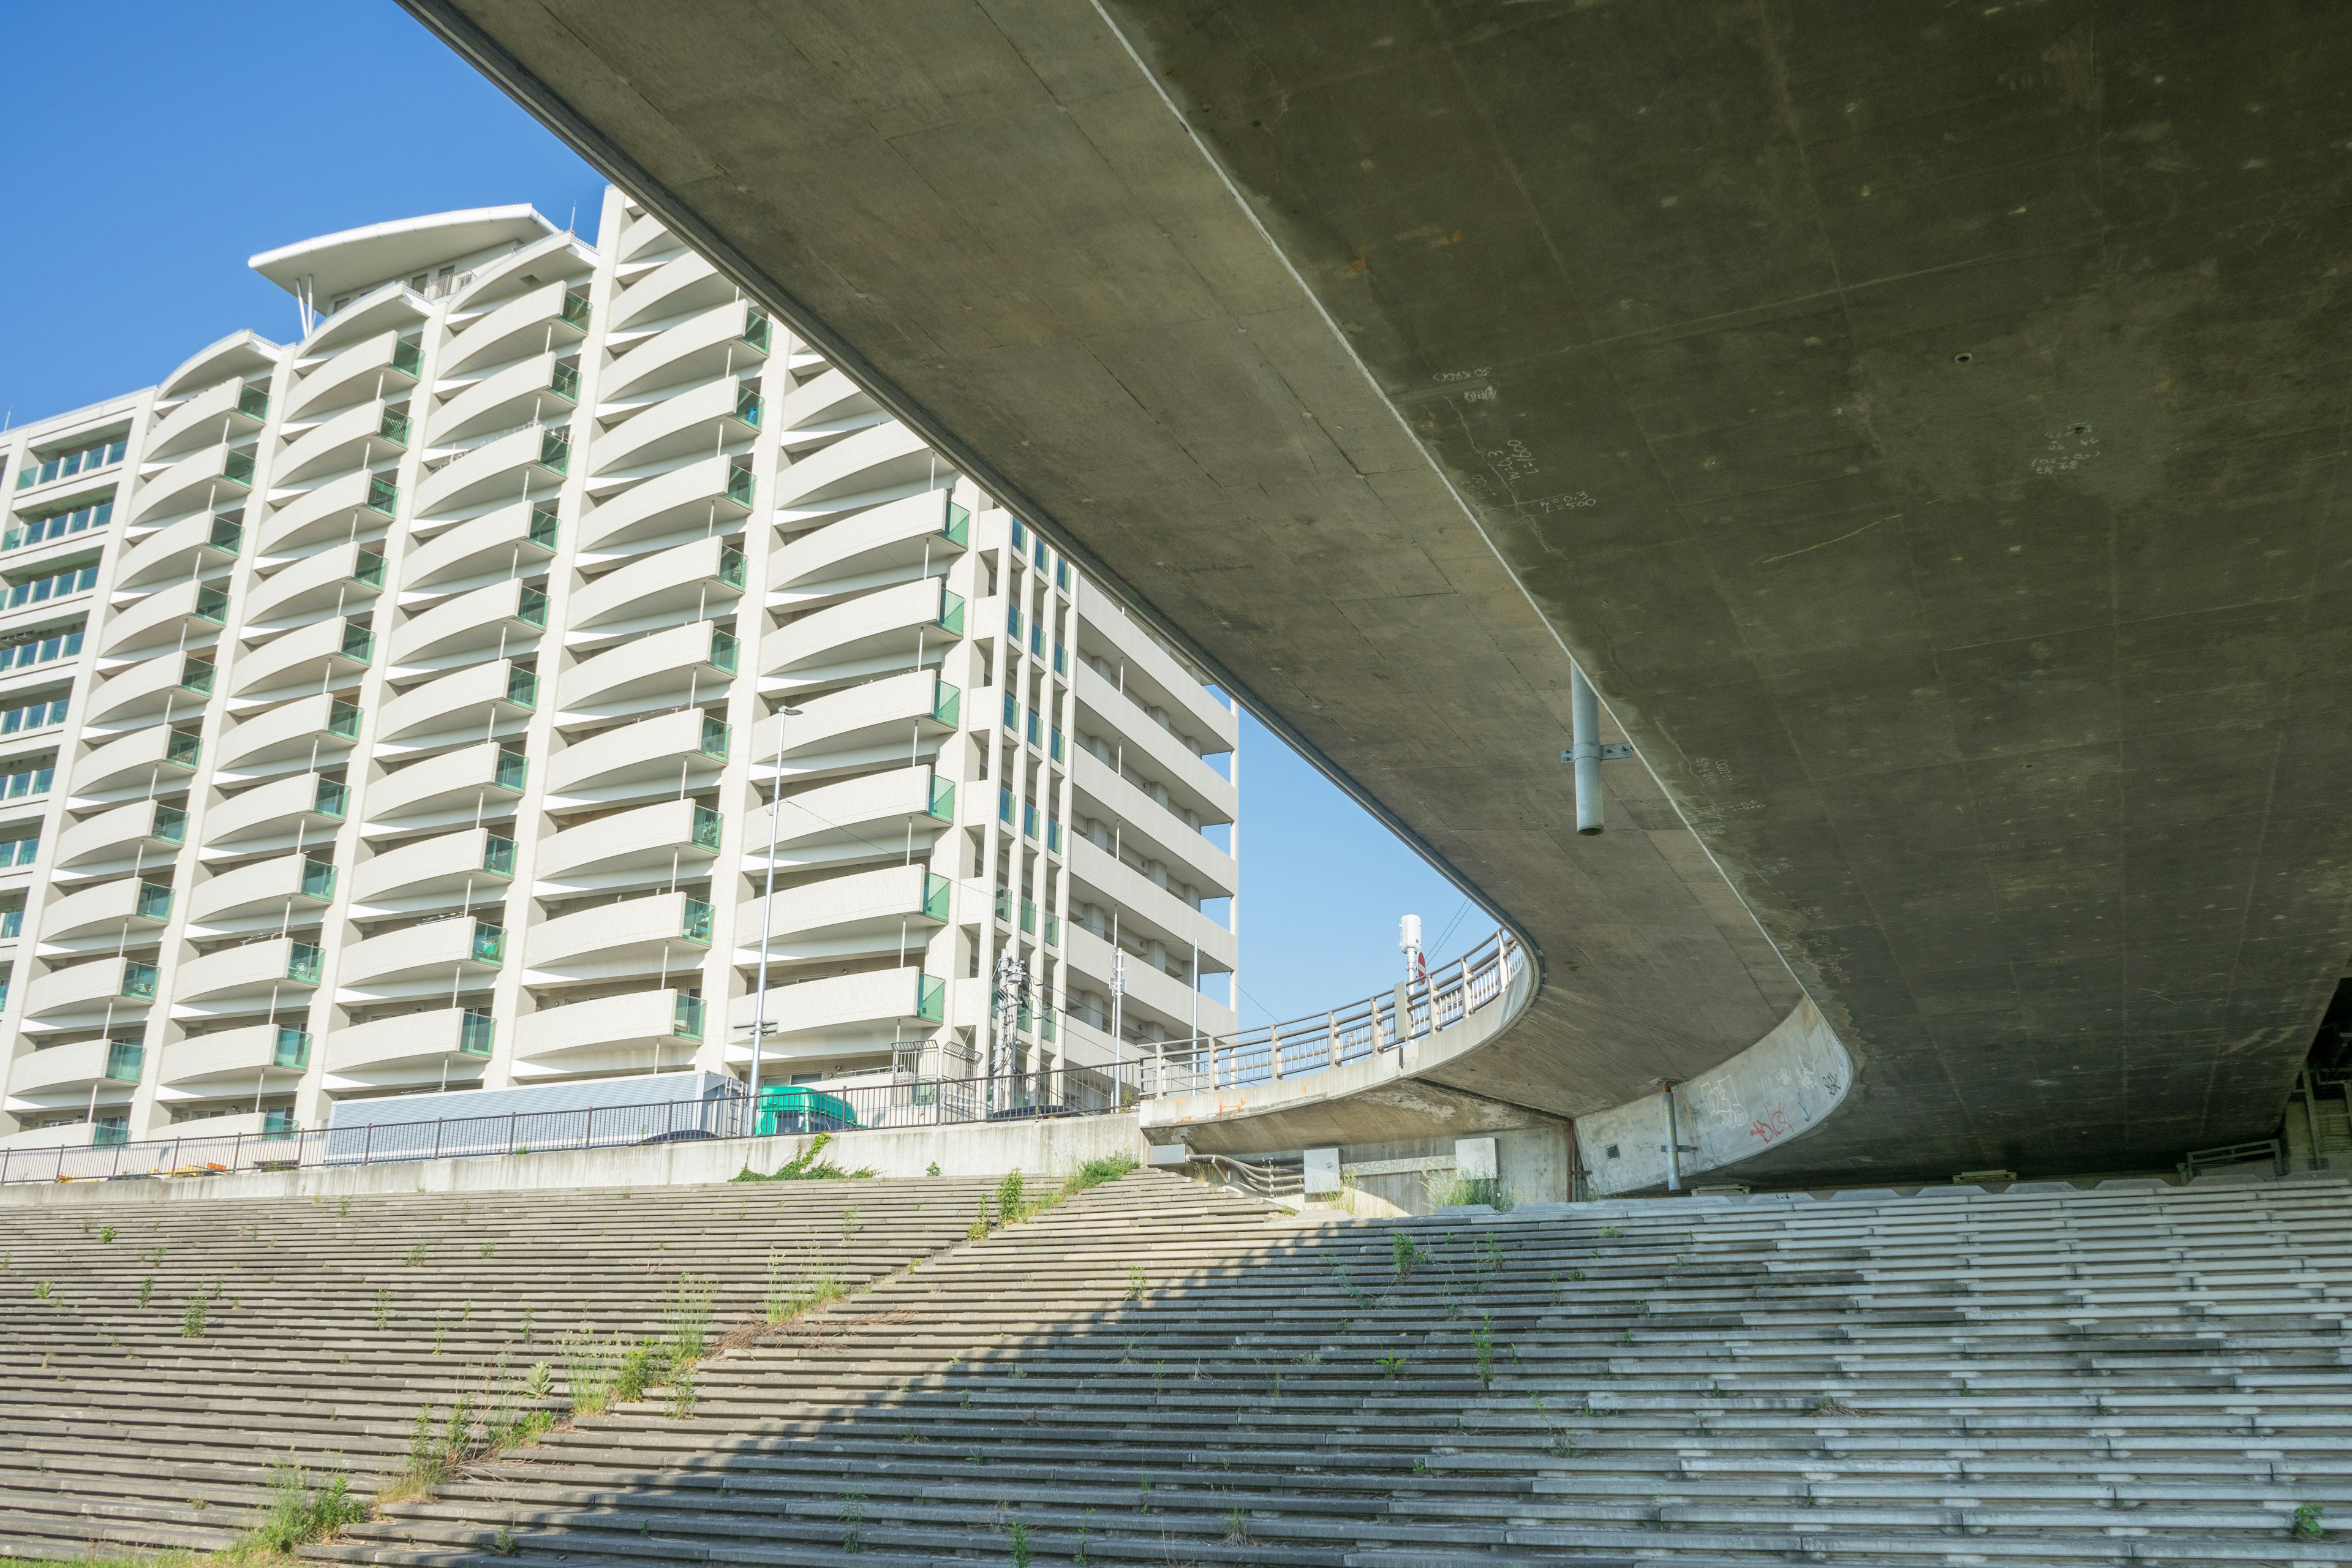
{"points": [[531, 607], [368, 568], [1054, 745], [292, 1050], [755, 329], [522, 687], [79, 581], [302, 964], [394, 427], [696, 925], [359, 643], [942, 802], [723, 651], [935, 895], [171, 825], [197, 675], [212, 605], [497, 854], [39, 650], [543, 525], [730, 566], [383, 496], [705, 831], [33, 716], [565, 381], [12, 923], [254, 403], [513, 769], [344, 719], [575, 309], [714, 739], [184, 750], [20, 851], [475, 1031], [957, 530], [227, 535], [408, 358], [318, 879], [58, 525], [946, 703], [555, 451], [685, 1018], [739, 486], [1005, 802], [237, 468], [31, 781], [153, 902], [930, 997], [139, 981], [747, 407], [332, 799], [490, 944], [65, 464], [126, 1061]]}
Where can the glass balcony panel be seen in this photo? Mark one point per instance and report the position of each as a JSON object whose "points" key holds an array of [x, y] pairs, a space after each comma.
{"points": [[522, 687], [723, 648], [1036, 729], [227, 534], [1003, 904], [1012, 713], [237, 467], [1029, 916], [473, 1032], [489, 942], [747, 408], [565, 381], [946, 703], [171, 825], [125, 1060], [1061, 659], [685, 1018], [332, 799], [958, 528], [755, 329], [714, 739], [930, 997], [575, 309], [1029, 818], [197, 675], [212, 605], [1005, 802], [408, 358], [739, 486], [277, 1122], [359, 643], [368, 569], [1053, 747], [950, 613], [12, 923], [154, 902], [935, 895], [1037, 553], [1052, 833], [942, 804], [1053, 929], [543, 526], [318, 879], [1062, 575], [708, 824], [695, 926], [394, 427], [531, 607], [513, 769], [184, 750], [343, 719], [1020, 537], [1013, 621], [58, 525], [292, 1051], [254, 403], [555, 450], [139, 980], [497, 854], [383, 496], [302, 964], [730, 567], [107, 1132]]}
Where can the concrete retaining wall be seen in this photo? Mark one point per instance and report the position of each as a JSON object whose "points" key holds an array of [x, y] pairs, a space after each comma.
{"points": [[1044, 1151]]}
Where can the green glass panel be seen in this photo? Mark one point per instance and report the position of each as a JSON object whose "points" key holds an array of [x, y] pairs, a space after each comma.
{"points": [[942, 804], [686, 1019], [946, 702], [755, 329], [408, 358], [383, 496], [555, 450], [359, 643], [1053, 929], [1029, 916], [332, 799], [154, 902], [139, 980], [930, 997], [197, 675], [511, 770], [343, 719], [318, 879], [747, 408], [935, 895], [274, 1123], [302, 961], [394, 427], [473, 1032], [723, 649], [292, 1050], [714, 738], [368, 569], [706, 826], [695, 926], [565, 381], [958, 525], [522, 687], [106, 1134], [730, 567], [489, 942], [254, 403], [531, 607], [497, 854], [543, 526], [125, 1060], [237, 467], [226, 534], [951, 612], [184, 750], [171, 825], [575, 309], [212, 605]]}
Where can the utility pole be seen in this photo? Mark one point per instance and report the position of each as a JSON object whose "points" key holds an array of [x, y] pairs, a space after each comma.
{"points": [[768, 914]]}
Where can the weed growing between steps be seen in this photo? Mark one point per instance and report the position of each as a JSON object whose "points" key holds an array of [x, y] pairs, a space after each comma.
{"points": [[297, 1515], [809, 1165]]}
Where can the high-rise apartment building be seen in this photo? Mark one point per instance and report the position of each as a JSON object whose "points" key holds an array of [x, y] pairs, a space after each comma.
{"points": [[414, 705]]}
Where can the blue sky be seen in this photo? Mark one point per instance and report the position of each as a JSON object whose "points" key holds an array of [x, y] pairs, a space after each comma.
{"points": [[140, 127]]}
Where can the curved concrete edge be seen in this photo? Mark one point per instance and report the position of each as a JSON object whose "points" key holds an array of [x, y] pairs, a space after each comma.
{"points": [[1778, 1089], [1262, 1107]]}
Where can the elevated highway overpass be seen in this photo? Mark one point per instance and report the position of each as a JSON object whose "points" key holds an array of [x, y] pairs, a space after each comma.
{"points": [[1924, 426]]}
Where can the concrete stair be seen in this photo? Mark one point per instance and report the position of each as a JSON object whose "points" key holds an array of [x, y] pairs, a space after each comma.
{"points": [[327, 1327], [1164, 1373]]}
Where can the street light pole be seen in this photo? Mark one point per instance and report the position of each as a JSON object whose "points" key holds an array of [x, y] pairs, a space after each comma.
{"points": [[768, 913]]}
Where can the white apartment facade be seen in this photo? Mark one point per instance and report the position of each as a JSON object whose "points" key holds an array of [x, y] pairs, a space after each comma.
{"points": [[414, 705]]}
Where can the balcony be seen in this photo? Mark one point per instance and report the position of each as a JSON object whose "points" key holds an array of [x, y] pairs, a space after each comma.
{"points": [[479, 783], [684, 663], [241, 354], [859, 914], [187, 614], [893, 720], [1105, 794], [681, 426], [501, 620], [459, 953], [155, 761], [284, 814], [665, 931], [214, 416], [922, 535], [884, 632], [362, 438], [442, 1045], [513, 541], [1154, 675], [126, 913], [335, 582], [552, 316], [689, 582], [710, 495], [244, 1062], [841, 1014], [324, 655], [643, 1031], [537, 389], [827, 408], [470, 867], [269, 895], [296, 735], [176, 686], [1150, 911], [18, 660], [684, 285], [210, 481], [671, 754], [103, 993], [872, 816], [479, 701], [355, 508], [652, 845], [1191, 782], [527, 465], [146, 833], [386, 364], [726, 338], [203, 546], [887, 463], [101, 1072], [24, 776], [394, 306], [277, 973]]}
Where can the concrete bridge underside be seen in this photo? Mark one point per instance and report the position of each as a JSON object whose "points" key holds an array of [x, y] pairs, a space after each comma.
{"points": [[1925, 425]]}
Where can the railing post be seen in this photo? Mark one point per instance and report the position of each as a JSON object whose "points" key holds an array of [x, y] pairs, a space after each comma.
{"points": [[367, 1144], [436, 1137], [235, 1151], [511, 1130], [1274, 1051], [1332, 1018], [118, 1158]]}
